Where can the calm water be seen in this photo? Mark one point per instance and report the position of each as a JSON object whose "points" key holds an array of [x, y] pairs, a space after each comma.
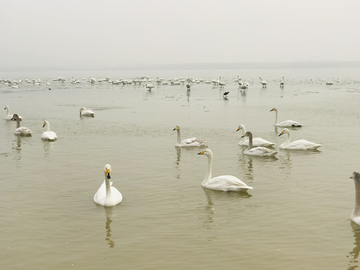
{"points": [[296, 217]]}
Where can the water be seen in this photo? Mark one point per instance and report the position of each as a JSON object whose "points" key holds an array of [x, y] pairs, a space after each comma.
{"points": [[296, 217]]}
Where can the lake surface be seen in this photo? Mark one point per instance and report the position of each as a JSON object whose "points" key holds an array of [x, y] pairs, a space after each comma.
{"points": [[296, 217]]}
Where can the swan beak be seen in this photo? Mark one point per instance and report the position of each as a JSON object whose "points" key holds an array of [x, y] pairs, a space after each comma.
{"points": [[108, 174], [175, 128], [201, 153], [282, 133], [238, 129], [243, 135], [271, 110], [43, 125]]}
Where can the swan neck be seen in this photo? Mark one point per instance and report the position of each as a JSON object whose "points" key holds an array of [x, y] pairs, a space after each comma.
{"points": [[178, 136], [250, 142], [243, 131], [288, 138], [47, 126], [356, 211], [17, 123], [7, 111], [108, 190], [209, 170], [276, 117]]}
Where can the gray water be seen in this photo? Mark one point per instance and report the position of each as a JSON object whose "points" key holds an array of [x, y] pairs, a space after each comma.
{"points": [[296, 217]]}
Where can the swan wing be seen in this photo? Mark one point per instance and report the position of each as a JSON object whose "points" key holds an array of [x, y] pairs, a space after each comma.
{"points": [[289, 123], [193, 142], [301, 145], [260, 151], [24, 131]]}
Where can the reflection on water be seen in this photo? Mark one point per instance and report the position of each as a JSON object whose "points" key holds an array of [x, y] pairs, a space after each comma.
{"points": [[246, 165], [188, 94], [177, 162], [47, 147], [353, 255], [108, 210]]}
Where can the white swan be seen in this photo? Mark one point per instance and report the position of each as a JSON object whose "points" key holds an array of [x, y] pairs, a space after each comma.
{"points": [[22, 131], [107, 195], [187, 142], [355, 215], [86, 112], [8, 115], [287, 123], [264, 83], [48, 135], [257, 151], [149, 86], [256, 141], [297, 145], [224, 182]]}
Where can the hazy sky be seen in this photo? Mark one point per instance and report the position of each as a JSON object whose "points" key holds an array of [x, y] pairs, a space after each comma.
{"points": [[110, 33]]}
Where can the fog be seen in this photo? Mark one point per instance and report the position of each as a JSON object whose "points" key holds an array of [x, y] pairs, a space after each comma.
{"points": [[109, 34]]}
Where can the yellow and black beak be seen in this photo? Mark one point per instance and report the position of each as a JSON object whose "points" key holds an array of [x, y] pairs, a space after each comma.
{"points": [[244, 135], [282, 133], [108, 173], [201, 153], [175, 128], [238, 129]]}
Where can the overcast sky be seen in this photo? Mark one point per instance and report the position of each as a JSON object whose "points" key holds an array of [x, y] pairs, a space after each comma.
{"points": [[112, 33]]}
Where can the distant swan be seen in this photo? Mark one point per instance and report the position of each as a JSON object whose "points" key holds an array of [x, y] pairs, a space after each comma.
{"points": [[256, 141], [10, 116], [221, 183], [287, 123], [355, 215], [297, 145], [149, 86], [48, 135], [264, 83], [86, 112], [22, 131], [282, 82], [257, 151], [187, 142], [107, 195]]}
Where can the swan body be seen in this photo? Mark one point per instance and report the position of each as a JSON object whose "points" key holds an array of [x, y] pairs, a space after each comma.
{"points": [[107, 195], [297, 145], [264, 83], [86, 112], [223, 182], [191, 142], [259, 150], [256, 141], [355, 215], [48, 135], [287, 123], [8, 115], [21, 131]]}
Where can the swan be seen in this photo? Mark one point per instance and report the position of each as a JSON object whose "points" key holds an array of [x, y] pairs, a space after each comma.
{"points": [[287, 123], [257, 151], [187, 142], [22, 131], [10, 116], [86, 112], [256, 141], [264, 83], [107, 195], [223, 182], [355, 215], [297, 145], [149, 86], [48, 135], [282, 82]]}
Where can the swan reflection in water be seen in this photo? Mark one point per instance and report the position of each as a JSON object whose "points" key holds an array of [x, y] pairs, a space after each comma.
{"points": [[354, 254], [177, 162], [108, 210]]}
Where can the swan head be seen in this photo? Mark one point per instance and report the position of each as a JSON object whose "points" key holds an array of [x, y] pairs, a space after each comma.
{"points": [[247, 134], [206, 152], [285, 130], [355, 176], [241, 127], [107, 171], [273, 109], [15, 117], [6, 108], [176, 128], [45, 123], [82, 109]]}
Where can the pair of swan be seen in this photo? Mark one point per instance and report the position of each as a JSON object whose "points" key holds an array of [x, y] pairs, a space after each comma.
{"points": [[259, 150], [223, 182], [86, 112], [107, 195], [191, 142], [21, 131], [256, 141], [48, 135], [297, 145], [10, 116], [287, 123]]}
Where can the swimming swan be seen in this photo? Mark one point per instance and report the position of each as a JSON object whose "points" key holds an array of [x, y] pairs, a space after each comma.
{"points": [[257, 151], [22, 131], [9, 116], [355, 215], [224, 182], [48, 135], [86, 112], [107, 195], [297, 145], [256, 141], [187, 142], [287, 123]]}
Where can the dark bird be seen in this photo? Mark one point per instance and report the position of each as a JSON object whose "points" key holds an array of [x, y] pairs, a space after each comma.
{"points": [[225, 94]]}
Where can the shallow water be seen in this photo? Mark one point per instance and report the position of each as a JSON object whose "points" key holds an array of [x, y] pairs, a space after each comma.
{"points": [[296, 217]]}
